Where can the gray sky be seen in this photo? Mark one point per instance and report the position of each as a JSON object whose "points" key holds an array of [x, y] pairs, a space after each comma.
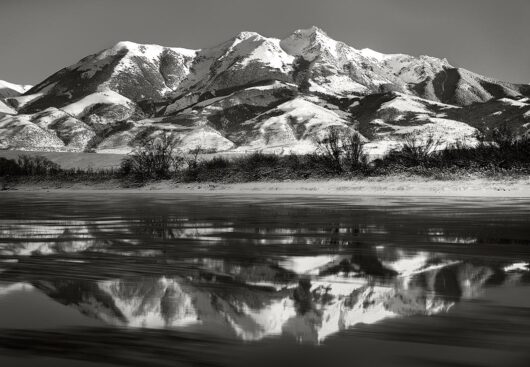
{"points": [[490, 37]]}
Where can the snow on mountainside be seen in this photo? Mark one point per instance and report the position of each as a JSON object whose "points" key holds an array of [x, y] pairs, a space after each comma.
{"points": [[49, 130], [255, 93], [291, 127], [8, 89], [132, 70], [5, 109]]}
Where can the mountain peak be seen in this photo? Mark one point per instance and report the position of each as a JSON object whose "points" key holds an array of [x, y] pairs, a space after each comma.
{"points": [[246, 34], [308, 43], [310, 35], [125, 44], [310, 32]]}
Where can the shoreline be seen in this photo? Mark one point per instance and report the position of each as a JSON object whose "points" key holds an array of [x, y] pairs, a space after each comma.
{"points": [[372, 186]]}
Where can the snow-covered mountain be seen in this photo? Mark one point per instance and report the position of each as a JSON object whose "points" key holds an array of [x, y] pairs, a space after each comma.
{"points": [[254, 93]]}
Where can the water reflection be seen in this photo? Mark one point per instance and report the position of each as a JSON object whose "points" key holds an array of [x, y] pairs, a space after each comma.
{"points": [[28, 237], [308, 298], [244, 272]]}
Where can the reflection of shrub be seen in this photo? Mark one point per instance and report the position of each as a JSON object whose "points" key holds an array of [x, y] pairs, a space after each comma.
{"points": [[155, 158]]}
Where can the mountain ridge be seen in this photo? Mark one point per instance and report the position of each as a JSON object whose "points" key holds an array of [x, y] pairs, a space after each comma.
{"points": [[230, 94]]}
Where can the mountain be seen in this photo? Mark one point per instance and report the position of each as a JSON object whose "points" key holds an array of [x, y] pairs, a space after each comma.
{"points": [[256, 93]]}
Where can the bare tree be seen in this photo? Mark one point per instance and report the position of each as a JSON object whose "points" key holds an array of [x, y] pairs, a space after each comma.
{"points": [[330, 148], [418, 150], [155, 158], [343, 150], [192, 160], [353, 151]]}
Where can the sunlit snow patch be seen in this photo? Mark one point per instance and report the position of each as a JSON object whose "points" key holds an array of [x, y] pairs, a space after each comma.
{"points": [[107, 97]]}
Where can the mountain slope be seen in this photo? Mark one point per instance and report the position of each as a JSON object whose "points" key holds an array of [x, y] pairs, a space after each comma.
{"points": [[132, 70], [257, 93]]}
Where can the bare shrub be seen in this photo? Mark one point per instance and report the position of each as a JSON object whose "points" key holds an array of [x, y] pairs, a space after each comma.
{"points": [[503, 136], [342, 150], [192, 159], [418, 151], [330, 149], [354, 157], [155, 158], [192, 162]]}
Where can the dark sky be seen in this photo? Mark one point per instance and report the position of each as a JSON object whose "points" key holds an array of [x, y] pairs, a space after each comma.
{"points": [[491, 37]]}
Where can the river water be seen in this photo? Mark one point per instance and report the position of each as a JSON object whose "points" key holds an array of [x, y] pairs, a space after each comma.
{"points": [[165, 280]]}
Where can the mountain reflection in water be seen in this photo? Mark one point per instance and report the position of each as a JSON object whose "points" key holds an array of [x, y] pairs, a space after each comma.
{"points": [[252, 270]]}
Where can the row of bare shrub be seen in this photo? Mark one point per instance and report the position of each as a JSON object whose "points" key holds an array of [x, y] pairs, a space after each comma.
{"points": [[499, 149], [340, 153]]}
